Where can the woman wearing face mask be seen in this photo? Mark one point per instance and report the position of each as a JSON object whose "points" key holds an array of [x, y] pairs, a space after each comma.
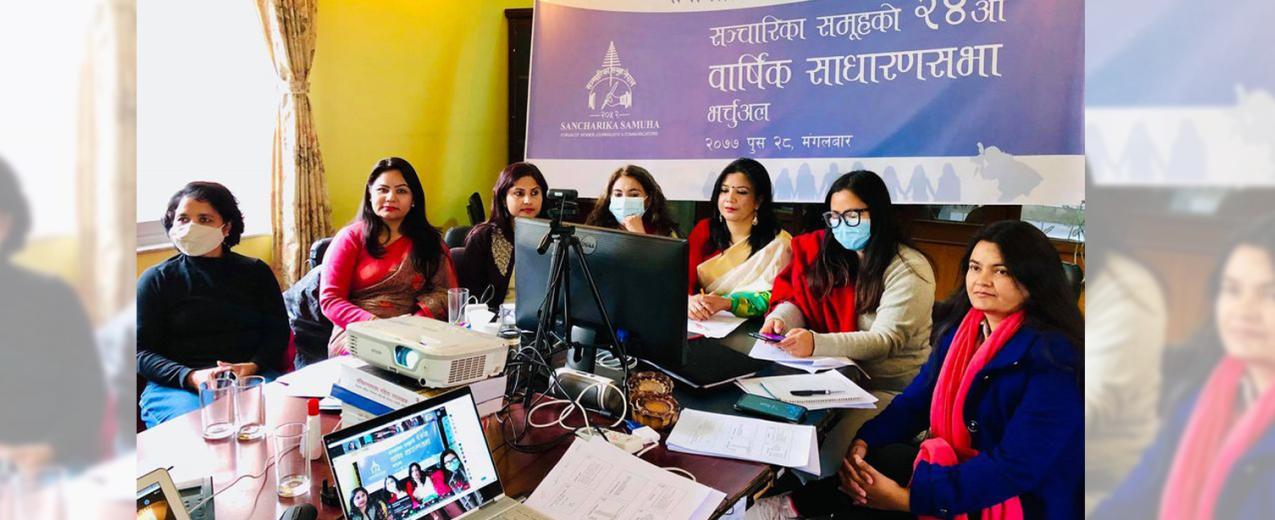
{"points": [[207, 310], [999, 400], [390, 261], [633, 202], [1212, 456], [736, 253], [489, 249], [856, 289]]}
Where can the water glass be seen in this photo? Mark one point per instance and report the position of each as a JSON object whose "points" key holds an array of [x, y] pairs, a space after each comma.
{"points": [[250, 407], [291, 467], [456, 300], [508, 321], [217, 408]]}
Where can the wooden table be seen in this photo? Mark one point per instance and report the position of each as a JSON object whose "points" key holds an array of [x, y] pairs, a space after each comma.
{"points": [[178, 443]]}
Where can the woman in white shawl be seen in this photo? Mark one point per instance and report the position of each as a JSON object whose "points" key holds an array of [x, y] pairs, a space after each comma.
{"points": [[736, 253]]}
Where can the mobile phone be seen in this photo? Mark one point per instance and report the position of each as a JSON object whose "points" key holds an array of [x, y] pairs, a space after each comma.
{"points": [[771, 408], [769, 338]]}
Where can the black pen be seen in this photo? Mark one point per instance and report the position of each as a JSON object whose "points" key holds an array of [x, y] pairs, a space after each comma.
{"points": [[807, 393]]}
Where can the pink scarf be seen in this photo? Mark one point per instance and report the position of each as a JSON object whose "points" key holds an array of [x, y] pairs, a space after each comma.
{"points": [[1216, 436], [949, 443]]}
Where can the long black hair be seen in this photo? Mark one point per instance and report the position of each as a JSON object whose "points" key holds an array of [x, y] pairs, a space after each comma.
{"points": [[656, 218], [427, 242], [356, 491], [837, 266], [500, 216], [767, 224], [1034, 264]]}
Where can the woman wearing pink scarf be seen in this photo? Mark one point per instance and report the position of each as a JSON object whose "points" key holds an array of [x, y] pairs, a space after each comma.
{"points": [[1215, 454], [999, 402]]}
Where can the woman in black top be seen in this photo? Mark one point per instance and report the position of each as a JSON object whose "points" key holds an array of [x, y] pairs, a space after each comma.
{"points": [[489, 247], [206, 310]]}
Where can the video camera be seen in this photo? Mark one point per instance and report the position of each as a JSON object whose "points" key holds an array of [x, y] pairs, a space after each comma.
{"points": [[562, 204]]}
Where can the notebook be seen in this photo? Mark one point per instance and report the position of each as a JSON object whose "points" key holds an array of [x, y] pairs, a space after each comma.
{"points": [[845, 393]]}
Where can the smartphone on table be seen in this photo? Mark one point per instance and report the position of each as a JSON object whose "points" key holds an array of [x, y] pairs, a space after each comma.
{"points": [[770, 408]]}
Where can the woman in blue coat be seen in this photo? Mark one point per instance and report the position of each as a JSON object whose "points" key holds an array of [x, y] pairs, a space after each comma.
{"points": [[999, 402], [1215, 455]]}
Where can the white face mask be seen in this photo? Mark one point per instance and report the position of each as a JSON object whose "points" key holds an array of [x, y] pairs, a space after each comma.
{"points": [[196, 239]]}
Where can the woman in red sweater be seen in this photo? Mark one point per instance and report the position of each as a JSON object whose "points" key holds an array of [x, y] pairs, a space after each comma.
{"points": [[390, 261]]}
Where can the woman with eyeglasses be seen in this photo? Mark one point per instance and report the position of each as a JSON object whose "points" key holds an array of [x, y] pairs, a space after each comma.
{"points": [[856, 289]]}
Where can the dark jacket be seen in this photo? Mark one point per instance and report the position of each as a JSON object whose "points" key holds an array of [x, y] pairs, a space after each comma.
{"points": [[310, 328], [1249, 491], [1025, 414]]}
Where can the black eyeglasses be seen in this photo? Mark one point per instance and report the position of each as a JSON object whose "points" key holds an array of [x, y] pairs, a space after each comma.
{"points": [[850, 217]]}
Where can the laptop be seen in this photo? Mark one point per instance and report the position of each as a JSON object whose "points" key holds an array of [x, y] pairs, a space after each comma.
{"points": [[158, 499], [429, 459]]}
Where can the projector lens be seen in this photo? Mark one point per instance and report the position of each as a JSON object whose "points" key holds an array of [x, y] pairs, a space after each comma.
{"points": [[406, 357]]}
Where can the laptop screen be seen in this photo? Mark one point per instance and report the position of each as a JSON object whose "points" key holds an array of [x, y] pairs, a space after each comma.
{"points": [[153, 505], [428, 458]]}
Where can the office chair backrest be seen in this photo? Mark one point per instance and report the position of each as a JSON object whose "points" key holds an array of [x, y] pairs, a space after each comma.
{"points": [[455, 237], [317, 250], [475, 209], [1075, 278]]}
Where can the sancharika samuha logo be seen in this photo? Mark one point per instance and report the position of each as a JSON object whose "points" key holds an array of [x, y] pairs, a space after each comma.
{"points": [[610, 103]]}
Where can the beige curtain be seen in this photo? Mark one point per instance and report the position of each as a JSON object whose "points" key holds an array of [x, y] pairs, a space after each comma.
{"points": [[299, 197], [106, 161]]}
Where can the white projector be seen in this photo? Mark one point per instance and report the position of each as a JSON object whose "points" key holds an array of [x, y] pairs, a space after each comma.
{"points": [[432, 352]]}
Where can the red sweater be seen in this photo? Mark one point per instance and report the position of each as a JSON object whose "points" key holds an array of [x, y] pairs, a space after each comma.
{"points": [[348, 266], [701, 250], [831, 313]]}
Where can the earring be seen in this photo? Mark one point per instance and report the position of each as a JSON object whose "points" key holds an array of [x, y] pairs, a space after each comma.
{"points": [[721, 218], [754, 219]]}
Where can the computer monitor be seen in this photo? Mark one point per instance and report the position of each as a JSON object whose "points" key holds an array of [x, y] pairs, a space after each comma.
{"points": [[641, 278]]}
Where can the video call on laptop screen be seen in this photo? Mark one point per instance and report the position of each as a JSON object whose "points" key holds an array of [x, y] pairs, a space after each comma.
{"points": [[434, 460], [151, 504]]}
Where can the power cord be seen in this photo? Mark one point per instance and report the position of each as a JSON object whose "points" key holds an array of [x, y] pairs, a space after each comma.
{"points": [[269, 465]]}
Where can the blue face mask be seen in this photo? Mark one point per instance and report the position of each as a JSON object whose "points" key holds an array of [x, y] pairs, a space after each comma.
{"points": [[453, 465], [625, 207], [854, 238]]}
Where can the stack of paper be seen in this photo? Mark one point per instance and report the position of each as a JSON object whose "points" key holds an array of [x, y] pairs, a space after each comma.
{"points": [[843, 392], [768, 351], [718, 325], [595, 479], [745, 438]]}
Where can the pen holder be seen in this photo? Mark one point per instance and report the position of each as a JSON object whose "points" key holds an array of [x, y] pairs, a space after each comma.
{"points": [[649, 384], [657, 411]]}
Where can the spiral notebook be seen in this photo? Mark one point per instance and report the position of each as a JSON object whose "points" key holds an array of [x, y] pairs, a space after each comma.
{"points": [[844, 392]]}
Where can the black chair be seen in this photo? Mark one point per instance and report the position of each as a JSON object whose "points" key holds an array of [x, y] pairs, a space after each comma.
{"points": [[455, 237], [1075, 278], [317, 250], [475, 209]]}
